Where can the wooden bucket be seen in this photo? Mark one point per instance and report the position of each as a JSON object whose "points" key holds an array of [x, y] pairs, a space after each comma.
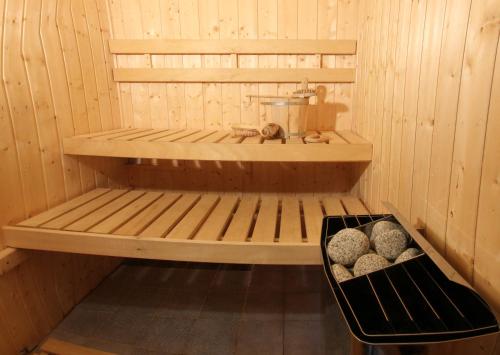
{"points": [[289, 113]]}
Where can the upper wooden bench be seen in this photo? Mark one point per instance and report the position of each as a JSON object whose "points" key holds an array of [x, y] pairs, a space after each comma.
{"points": [[195, 144], [206, 144]]}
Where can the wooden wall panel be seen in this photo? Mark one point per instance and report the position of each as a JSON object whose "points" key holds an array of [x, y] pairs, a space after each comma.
{"points": [[18, 97], [58, 88], [396, 112], [267, 28], [487, 243], [11, 190], [175, 92], [410, 104], [73, 73], [55, 83], [287, 29], [231, 93], [386, 110], [472, 116], [151, 23], [426, 108], [215, 105], [209, 28], [448, 89], [435, 158], [243, 177], [125, 93], [189, 13], [247, 24], [346, 24]]}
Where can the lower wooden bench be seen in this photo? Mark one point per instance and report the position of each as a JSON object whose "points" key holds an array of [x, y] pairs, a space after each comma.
{"points": [[186, 226]]}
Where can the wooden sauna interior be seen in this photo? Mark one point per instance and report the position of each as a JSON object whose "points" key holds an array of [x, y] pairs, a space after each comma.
{"points": [[408, 93]]}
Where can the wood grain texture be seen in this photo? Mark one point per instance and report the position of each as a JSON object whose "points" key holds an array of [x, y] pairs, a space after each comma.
{"points": [[141, 75], [227, 46], [45, 96], [425, 95], [203, 227], [472, 117], [201, 105], [486, 244], [435, 159], [10, 258], [450, 74], [210, 32], [163, 145]]}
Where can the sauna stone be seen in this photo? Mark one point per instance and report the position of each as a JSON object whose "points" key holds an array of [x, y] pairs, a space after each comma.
{"points": [[382, 227], [391, 244], [369, 263], [347, 246], [407, 255], [341, 273]]}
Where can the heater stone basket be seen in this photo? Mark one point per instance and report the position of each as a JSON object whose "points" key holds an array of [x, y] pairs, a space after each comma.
{"points": [[420, 300]]}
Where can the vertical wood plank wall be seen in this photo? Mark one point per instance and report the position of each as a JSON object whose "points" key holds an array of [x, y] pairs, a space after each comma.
{"points": [[427, 96], [56, 81], [214, 105]]}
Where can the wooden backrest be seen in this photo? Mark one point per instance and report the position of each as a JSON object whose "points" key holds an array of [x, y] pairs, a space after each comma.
{"points": [[233, 47]]}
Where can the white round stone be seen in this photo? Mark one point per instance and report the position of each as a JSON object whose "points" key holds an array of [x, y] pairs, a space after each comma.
{"points": [[390, 244], [407, 255], [341, 273], [382, 227], [369, 263], [347, 245]]}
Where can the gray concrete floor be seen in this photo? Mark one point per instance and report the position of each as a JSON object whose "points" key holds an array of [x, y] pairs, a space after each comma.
{"points": [[148, 307]]}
